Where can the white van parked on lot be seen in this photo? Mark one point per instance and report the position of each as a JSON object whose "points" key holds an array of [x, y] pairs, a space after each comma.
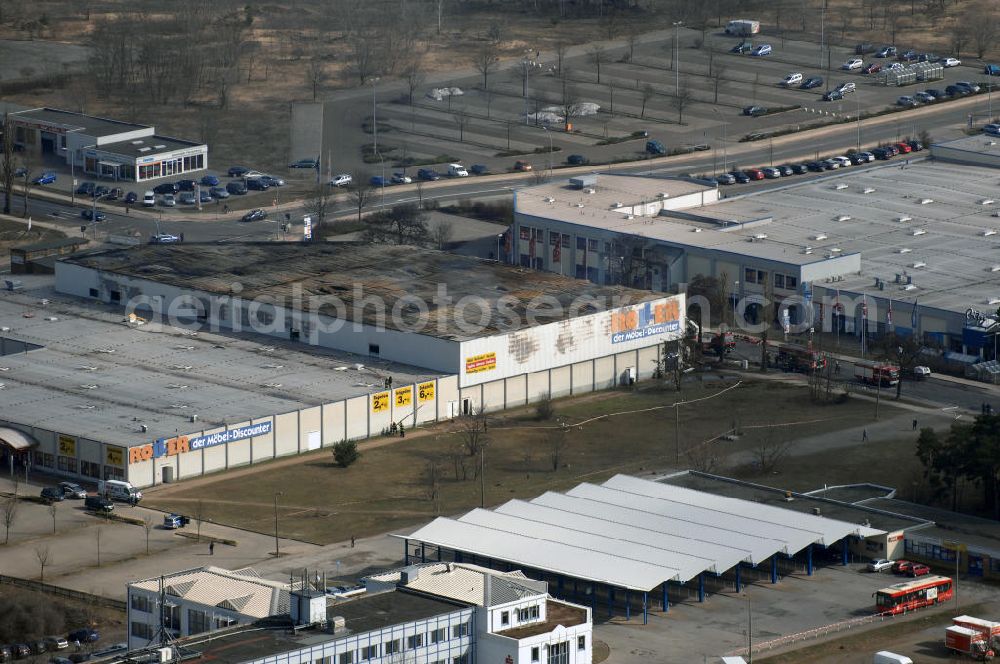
{"points": [[457, 171], [119, 490], [149, 199], [792, 79], [886, 657]]}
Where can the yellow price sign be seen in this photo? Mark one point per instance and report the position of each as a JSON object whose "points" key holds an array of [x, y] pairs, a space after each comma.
{"points": [[67, 445], [404, 396], [114, 456], [380, 402], [425, 391]]}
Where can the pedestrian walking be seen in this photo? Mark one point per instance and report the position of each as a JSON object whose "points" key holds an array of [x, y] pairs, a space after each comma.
{"points": [[914, 424], [836, 367], [352, 541], [211, 548], [864, 435]]}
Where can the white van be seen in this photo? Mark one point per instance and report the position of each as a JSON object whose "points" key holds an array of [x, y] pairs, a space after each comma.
{"points": [[457, 171], [149, 199], [119, 490], [886, 657]]}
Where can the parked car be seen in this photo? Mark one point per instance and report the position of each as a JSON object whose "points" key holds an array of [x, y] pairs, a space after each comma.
{"points": [[754, 173], [879, 565], [927, 57], [6, 653], [149, 199], [955, 91], [901, 566], [204, 196], [915, 145], [726, 178], [740, 177], [53, 494], [73, 490], [842, 160], [992, 129], [428, 174], [256, 214], [895, 66], [273, 180], [341, 180], [237, 171], [85, 635], [479, 169], [236, 188], [97, 504], [909, 56], [830, 164], [814, 166], [401, 178], [78, 657], [741, 48], [209, 181], [762, 50], [921, 372], [219, 192], [811, 82], [992, 70], [864, 48], [924, 97], [872, 68], [257, 184], [800, 169], [21, 650], [919, 569], [166, 188], [168, 200], [457, 171], [163, 238], [852, 64], [185, 185], [38, 647], [845, 88], [378, 181], [886, 52], [771, 173], [86, 189], [754, 111], [187, 198], [950, 62], [56, 642], [47, 177], [305, 163], [934, 92], [795, 78], [131, 198], [91, 215], [966, 85], [907, 101], [785, 170], [894, 149], [113, 649], [60, 660], [856, 159], [833, 95], [577, 160], [655, 147], [522, 165]]}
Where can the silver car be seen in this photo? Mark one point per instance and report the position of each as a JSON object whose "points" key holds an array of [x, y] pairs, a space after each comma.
{"points": [[168, 200], [71, 490]]}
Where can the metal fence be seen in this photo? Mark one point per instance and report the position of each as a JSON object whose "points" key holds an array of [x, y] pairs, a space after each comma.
{"points": [[63, 592]]}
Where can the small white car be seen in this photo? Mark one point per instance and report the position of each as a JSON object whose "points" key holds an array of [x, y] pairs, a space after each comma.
{"points": [[852, 64], [895, 66], [921, 372], [879, 565], [869, 157], [341, 180], [401, 178], [763, 49], [844, 88], [950, 62], [457, 171], [148, 199], [843, 161], [771, 173], [795, 78]]}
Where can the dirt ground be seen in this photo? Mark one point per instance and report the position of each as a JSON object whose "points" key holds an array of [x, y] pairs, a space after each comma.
{"points": [[390, 486], [69, 613]]}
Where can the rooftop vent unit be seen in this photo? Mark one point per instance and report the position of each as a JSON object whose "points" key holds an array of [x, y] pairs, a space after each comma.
{"points": [[989, 231], [579, 205], [549, 199], [628, 216], [903, 219], [869, 190], [841, 186], [145, 149], [808, 251], [159, 146], [909, 279], [995, 268], [994, 300], [835, 250], [591, 190], [844, 217], [136, 142], [821, 236], [899, 277], [760, 236], [919, 264], [616, 204], [926, 201], [582, 181], [905, 250], [919, 231], [697, 230], [987, 201], [909, 287], [664, 194], [88, 387]]}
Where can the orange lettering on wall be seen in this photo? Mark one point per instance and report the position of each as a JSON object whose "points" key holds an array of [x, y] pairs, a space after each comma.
{"points": [[177, 445], [624, 321], [138, 454]]}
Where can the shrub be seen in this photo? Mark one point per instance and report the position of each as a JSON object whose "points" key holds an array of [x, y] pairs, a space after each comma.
{"points": [[345, 453], [544, 410]]}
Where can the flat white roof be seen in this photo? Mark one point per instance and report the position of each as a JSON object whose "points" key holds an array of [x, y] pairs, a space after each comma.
{"points": [[634, 533]]}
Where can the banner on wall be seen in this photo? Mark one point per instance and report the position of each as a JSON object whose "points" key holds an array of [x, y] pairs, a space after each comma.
{"points": [[170, 446]]}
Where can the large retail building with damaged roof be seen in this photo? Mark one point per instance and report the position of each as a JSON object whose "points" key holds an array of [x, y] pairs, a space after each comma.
{"points": [[238, 354]]}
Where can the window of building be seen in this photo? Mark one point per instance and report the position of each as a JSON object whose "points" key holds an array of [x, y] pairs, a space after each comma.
{"points": [[581, 643], [90, 469], [141, 603], [141, 630], [323, 660], [505, 618], [460, 630], [565, 241], [553, 238], [373, 349], [116, 296], [525, 233], [779, 280], [750, 275], [534, 654], [415, 641], [392, 647], [791, 282], [67, 464], [461, 659], [37, 458], [369, 652], [114, 473], [197, 621], [528, 613], [592, 245], [346, 657], [439, 635], [48, 460], [558, 653], [94, 292], [221, 622]]}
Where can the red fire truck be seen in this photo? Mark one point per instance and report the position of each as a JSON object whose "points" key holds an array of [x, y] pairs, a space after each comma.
{"points": [[876, 373], [792, 358]]}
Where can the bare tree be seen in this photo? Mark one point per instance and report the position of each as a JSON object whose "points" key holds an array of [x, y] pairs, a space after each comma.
{"points": [[7, 167], [97, 535], [560, 48], [486, 60], [315, 74], [42, 555], [769, 454], [682, 99], [704, 458], [983, 24], [319, 204], [147, 526], [361, 192], [556, 442], [415, 77], [433, 478], [717, 74], [199, 516], [631, 41], [441, 234], [8, 510], [461, 120], [401, 224], [473, 431], [647, 94], [598, 56], [959, 34]]}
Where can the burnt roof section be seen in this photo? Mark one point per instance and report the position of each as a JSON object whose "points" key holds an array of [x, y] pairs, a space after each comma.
{"points": [[319, 276]]}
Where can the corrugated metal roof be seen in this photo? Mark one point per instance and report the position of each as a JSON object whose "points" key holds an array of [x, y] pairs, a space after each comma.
{"points": [[213, 586], [634, 533], [466, 583]]}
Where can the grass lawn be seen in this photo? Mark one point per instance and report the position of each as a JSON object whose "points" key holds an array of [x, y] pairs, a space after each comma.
{"points": [[16, 233], [390, 486]]}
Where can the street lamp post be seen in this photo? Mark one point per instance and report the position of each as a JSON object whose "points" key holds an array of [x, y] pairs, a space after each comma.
{"points": [[677, 56], [725, 160], [374, 119], [736, 297], [276, 549], [858, 97], [526, 64], [382, 160], [499, 237], [549, 134]]}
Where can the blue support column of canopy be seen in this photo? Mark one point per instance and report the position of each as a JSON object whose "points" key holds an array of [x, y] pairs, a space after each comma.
{"points": [[611, 601], [844, 545], [406, 552], [423, 552], [774, 568], [701, 587], [809, 560], [666, 599], [738, 576], [645, 608]]}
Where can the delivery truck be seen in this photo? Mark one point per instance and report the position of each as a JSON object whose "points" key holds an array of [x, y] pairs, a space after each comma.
{"points": [[967, 641], [742, 28]]}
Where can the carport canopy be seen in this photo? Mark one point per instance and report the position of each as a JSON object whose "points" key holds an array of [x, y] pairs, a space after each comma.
{"points": [[16, 440], [634, 533]]}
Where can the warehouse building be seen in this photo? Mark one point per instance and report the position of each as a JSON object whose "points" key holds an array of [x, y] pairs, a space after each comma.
{"points": [[102, 389], [630, 544], [906, 246], [111, 149]]}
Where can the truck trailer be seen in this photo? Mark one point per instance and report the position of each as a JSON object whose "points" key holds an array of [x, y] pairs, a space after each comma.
{"points": [[743, 28]]}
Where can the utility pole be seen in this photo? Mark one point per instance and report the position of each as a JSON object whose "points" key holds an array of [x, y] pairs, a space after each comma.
{"points": [[749, 632], [276, 545], [677, 433], [677, 55], [482, 476]]}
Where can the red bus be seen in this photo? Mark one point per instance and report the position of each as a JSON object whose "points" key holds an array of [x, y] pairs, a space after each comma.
{"points": [[911, 595]]}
